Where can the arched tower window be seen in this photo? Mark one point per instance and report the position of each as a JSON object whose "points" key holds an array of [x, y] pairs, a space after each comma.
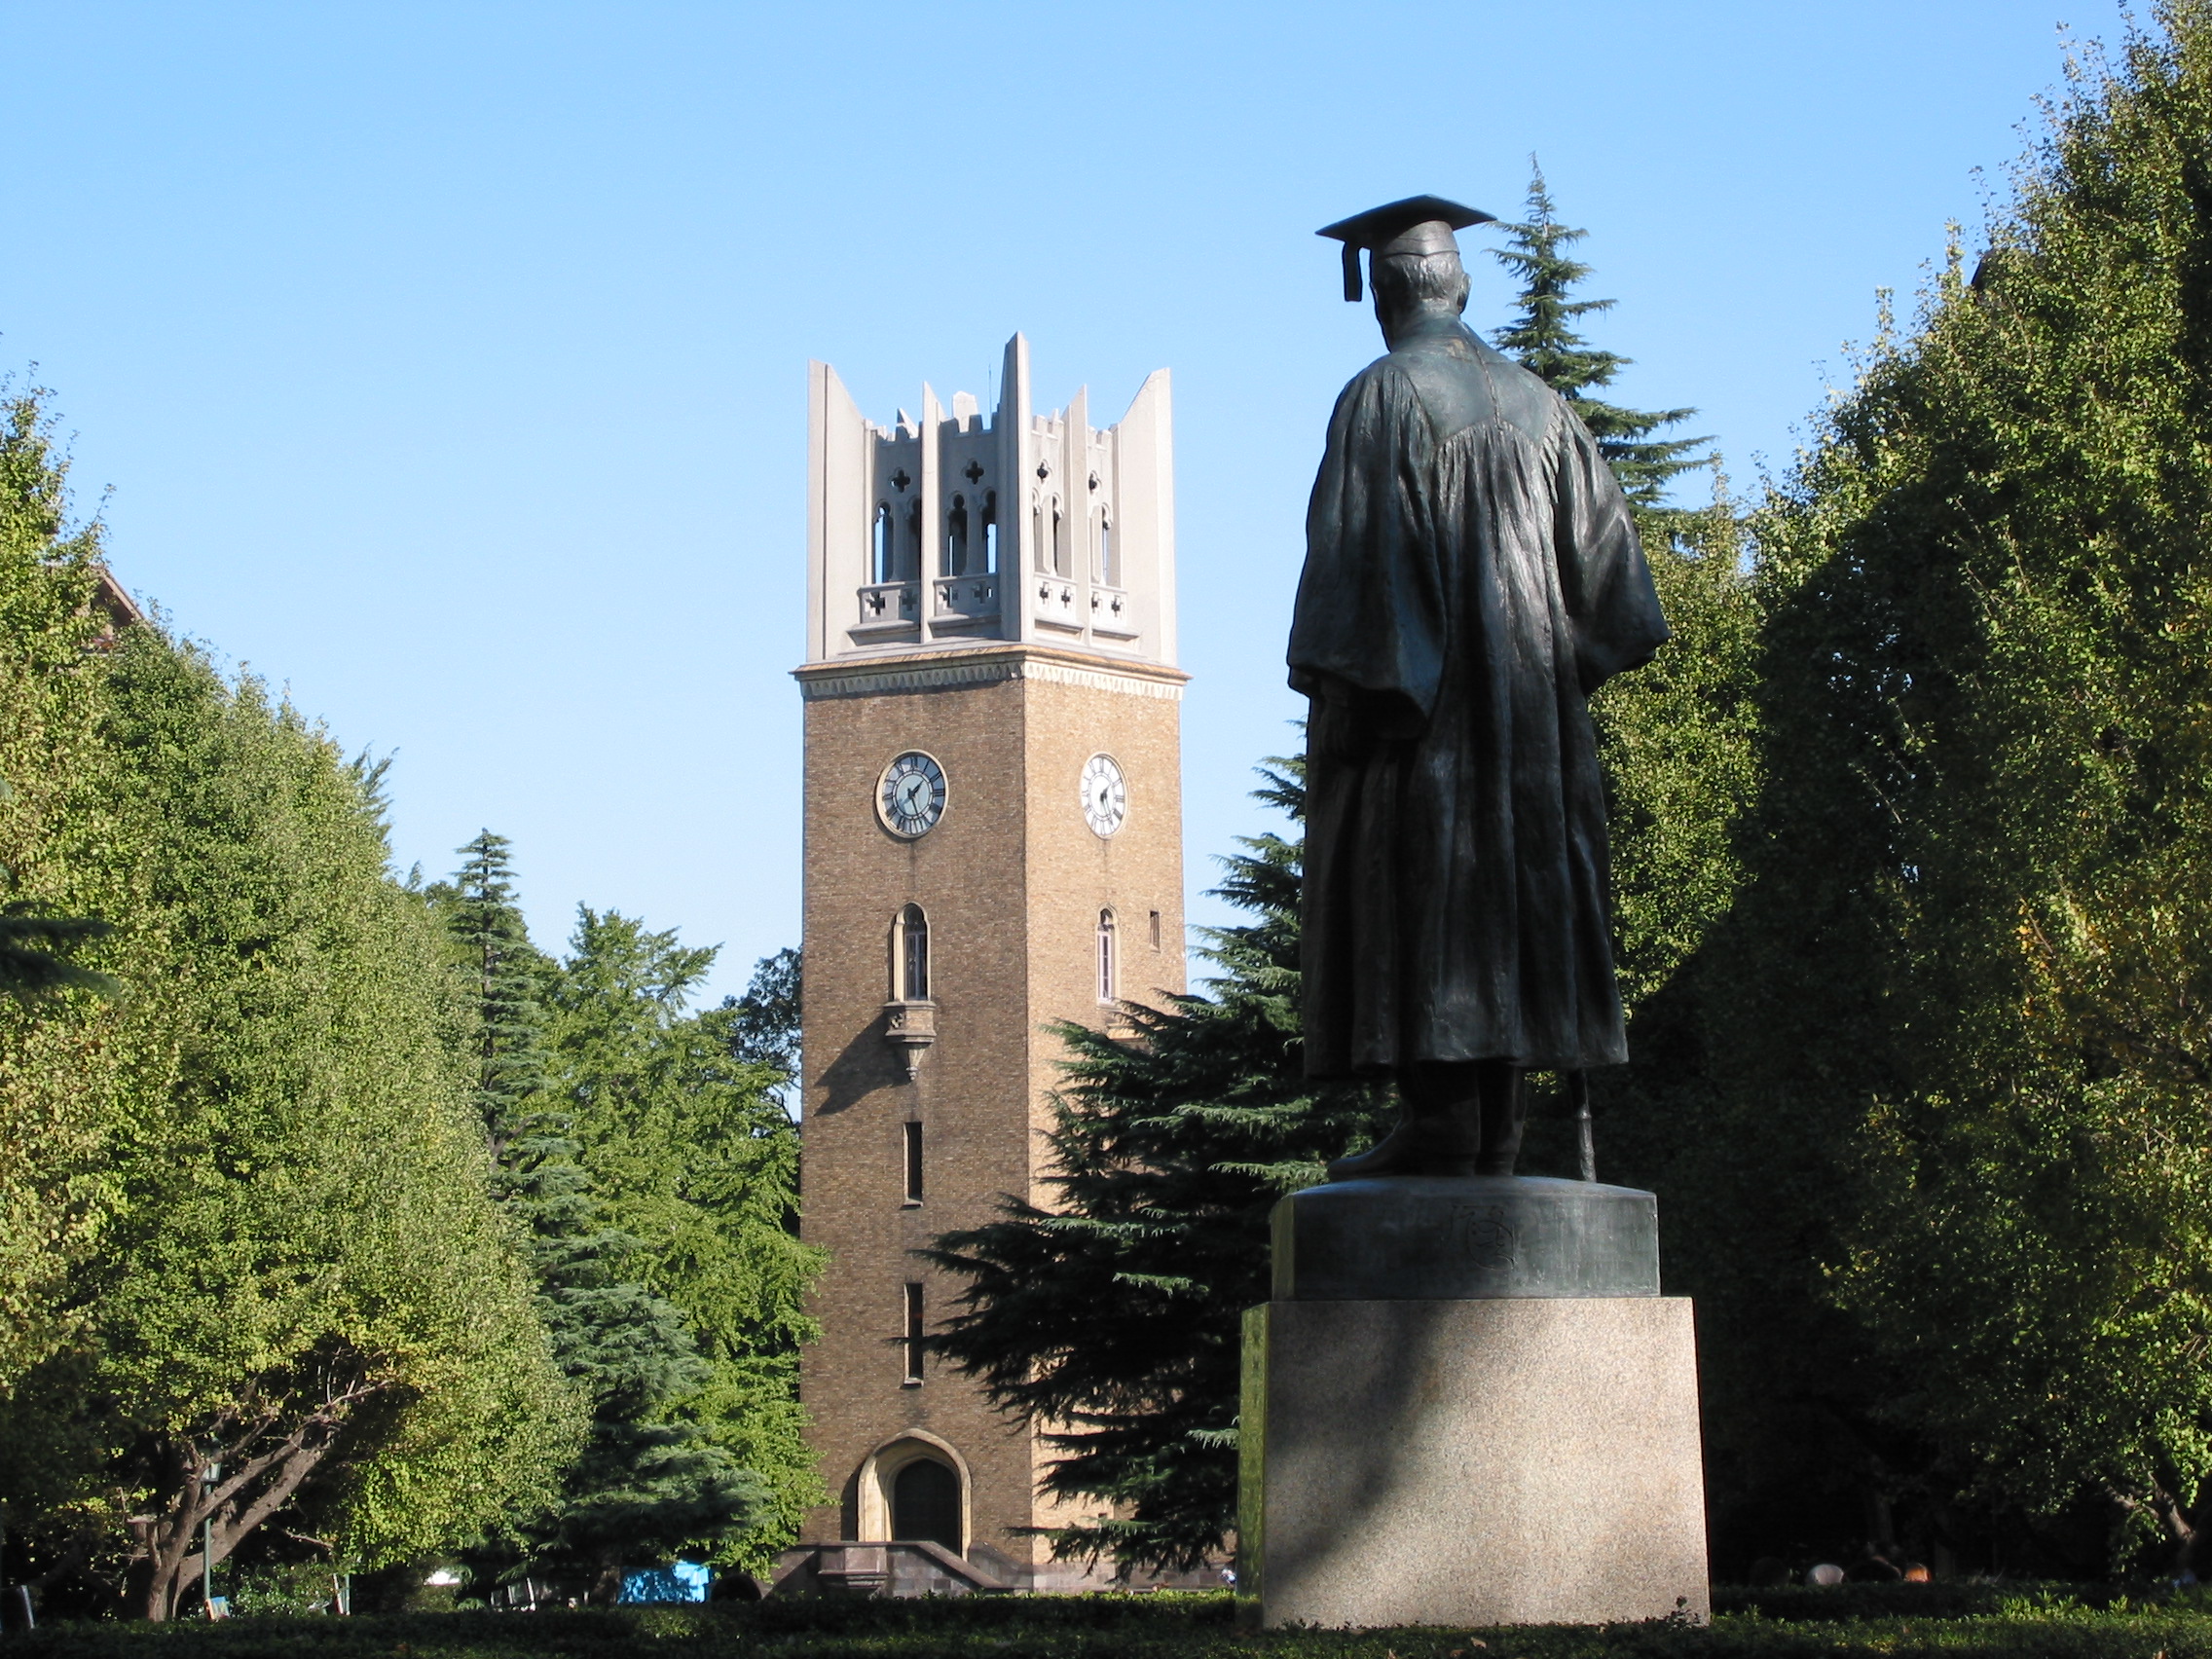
{"points": [[1059, 541], [911, 956], [1108, 572], [956, 538], [924, 1504], [911, 564], [1040, 555], [886, 549], [990, 533], [1107, 965]]}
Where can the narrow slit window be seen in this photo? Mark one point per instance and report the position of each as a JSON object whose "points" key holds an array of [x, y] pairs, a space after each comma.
{"points": [[913, 1158], [911, 956], [990, 533], [1039, 554], [1060, 541], [886, 551], [1156, 930], [1106, 964], [1107, 573], [956, 538], [910, 563], [915, 1334]]}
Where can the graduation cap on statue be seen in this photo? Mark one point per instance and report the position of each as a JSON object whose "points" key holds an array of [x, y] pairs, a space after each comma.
{"points": [[1419, 224]]}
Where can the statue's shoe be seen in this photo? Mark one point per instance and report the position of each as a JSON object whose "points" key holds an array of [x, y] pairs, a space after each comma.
{"points": [[1414, 1149]]}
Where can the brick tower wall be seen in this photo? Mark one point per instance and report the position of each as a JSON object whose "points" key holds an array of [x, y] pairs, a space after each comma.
{"points": [[1013, 880]]}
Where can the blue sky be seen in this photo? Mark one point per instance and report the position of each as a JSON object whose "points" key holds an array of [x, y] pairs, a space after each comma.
{"points": [[447, 362]]}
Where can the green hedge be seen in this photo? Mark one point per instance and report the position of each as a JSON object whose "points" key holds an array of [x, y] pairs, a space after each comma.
{"points": [[2038, 1623], [1949, 1599]]}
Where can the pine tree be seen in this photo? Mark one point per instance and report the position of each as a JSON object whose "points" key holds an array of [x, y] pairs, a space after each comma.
{"points": [[1111, 1317], [1543, 341], [529, 1140], [697, 1161]]}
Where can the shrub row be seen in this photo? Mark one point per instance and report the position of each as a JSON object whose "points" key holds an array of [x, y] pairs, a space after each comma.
{"points": [[2039, 1624]]}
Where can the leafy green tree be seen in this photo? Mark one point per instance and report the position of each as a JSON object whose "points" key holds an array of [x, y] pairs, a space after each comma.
{"points": [[1111, 1317], [34, 954], [299, 1278], [1543, 339], [1947, 1127], [693, 1158], [34, 948], [58, 1067]]}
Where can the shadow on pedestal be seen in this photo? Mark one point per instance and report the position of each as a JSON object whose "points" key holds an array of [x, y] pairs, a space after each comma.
{"points": [[1468, 1404]]}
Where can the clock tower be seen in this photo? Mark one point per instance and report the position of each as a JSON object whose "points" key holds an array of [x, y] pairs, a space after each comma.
{"points": [[993, 844]]}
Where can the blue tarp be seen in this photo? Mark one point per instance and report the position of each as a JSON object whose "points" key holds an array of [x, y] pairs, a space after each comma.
{"points": [[679, 1582]]}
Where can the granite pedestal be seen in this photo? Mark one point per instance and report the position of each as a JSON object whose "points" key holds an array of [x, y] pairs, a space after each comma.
{"points": [[1468, 1404]]}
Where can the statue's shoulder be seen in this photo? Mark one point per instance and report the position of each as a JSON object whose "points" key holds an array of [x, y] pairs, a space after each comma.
{"points": [[1462, 381]]}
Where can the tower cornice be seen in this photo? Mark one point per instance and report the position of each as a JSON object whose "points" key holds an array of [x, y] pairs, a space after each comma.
{"points": [[895, 672]]}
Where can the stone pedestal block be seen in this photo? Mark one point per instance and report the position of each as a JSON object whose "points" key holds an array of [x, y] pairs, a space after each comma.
{"points": [[1480, 1461]]}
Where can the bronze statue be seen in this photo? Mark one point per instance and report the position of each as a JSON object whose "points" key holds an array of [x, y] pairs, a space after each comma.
{"points": [[1472, 575]]}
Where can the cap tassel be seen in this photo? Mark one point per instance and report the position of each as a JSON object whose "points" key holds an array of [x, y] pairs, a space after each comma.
{"points": [[1351, 271]]}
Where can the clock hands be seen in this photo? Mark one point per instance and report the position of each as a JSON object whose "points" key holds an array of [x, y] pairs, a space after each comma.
{"points": [[910, 796]]}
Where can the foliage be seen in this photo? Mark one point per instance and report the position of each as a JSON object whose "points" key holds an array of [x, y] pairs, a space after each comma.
{"points": [[501, 974], [1678, 740], [765, 1029], [57, 1065], [1112, 1316], [1543, 339], [648, 1482], [243, 1208], [301, 1277], [1946, 1114], [693, 1158]]}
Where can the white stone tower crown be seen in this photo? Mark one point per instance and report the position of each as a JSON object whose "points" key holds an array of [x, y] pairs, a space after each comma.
{"points": [[1039, 529]]}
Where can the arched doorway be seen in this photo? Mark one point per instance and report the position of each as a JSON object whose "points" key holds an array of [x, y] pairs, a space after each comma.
{"points": [[911, 1488], [924, 1504]]}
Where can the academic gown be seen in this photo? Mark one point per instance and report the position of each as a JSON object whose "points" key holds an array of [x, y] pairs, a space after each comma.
{"points": [[1472, 575]]}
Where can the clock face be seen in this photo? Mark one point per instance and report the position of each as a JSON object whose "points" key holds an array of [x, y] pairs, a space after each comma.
{"points": [[911, 798], [1105, 795]]}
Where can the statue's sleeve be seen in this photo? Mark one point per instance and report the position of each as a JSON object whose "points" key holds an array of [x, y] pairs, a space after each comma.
{"points": [[1602, 574], [1370, 610]]}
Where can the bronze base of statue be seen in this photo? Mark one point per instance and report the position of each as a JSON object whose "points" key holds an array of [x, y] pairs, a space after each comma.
{"points": [[1460, 1117]]}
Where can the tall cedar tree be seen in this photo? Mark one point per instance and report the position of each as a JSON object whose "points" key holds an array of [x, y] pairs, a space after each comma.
{"points": [[697, 1161], [1112, 1318], [528, 1137], [1543, 339], [1953, 1231], [648, 1479]]}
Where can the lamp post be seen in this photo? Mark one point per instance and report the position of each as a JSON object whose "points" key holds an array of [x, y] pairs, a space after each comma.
{"points": [[209, 1477]]}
